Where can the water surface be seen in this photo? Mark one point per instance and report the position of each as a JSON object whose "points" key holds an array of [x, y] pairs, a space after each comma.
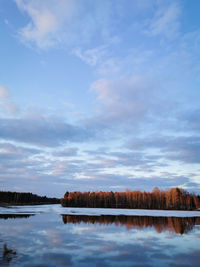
{"points": [[43, 237]]}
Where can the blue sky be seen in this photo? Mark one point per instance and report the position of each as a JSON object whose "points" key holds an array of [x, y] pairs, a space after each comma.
{"points": [[99, 95]]}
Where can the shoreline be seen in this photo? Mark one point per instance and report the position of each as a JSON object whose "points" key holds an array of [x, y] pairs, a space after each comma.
{"points": [[58, 209], [9, 205]]}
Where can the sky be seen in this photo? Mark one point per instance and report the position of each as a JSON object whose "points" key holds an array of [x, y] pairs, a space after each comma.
{"points": [[99, 95]]}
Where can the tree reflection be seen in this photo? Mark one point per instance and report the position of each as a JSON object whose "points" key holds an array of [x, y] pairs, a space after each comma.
{"points": [[15, 216], [172, 224], [7, 255]]}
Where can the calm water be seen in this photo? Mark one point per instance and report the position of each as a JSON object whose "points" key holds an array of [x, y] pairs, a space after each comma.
{"points": [[51, 239]]}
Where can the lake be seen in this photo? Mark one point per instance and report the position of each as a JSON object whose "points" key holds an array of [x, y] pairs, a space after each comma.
{"points": [[50, 235]]}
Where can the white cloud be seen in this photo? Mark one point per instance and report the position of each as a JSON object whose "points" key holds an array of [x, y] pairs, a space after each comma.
{"points": [[90, 56], [69, 105], [128, 97], [165, 21], [67, 22], [47, 18], [11, 107], [3, 92], [5, 101]]}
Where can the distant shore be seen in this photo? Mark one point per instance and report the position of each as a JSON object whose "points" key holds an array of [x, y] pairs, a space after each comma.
{"points": [[7, 205], [8, 199]]}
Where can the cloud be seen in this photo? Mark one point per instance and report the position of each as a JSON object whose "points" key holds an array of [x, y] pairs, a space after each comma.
{"points": [[191, 119], [165, 21], [42, 131], [69, 152], [117, 182], [183, 148], [68, 105], [5, 101], [128, 98], [13, 158], [10, 149], [90, 56], [11, 107], [62, 170], [47, 18], [65, 22], [3, 92]]}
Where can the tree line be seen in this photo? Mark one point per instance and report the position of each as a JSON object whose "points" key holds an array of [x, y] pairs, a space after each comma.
{"points": [[175, 198], [25, 198], [172, 224]]}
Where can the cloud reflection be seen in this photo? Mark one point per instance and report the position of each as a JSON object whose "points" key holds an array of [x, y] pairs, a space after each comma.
{"points": [[160, 224]]}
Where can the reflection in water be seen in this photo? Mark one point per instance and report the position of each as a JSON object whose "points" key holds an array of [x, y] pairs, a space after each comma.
{"points": [[87, 241], [15, 216], [8, 254], [174, 224]]}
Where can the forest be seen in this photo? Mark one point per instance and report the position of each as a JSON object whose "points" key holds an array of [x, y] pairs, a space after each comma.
{"points": [[173, 199], [17, 198]]}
